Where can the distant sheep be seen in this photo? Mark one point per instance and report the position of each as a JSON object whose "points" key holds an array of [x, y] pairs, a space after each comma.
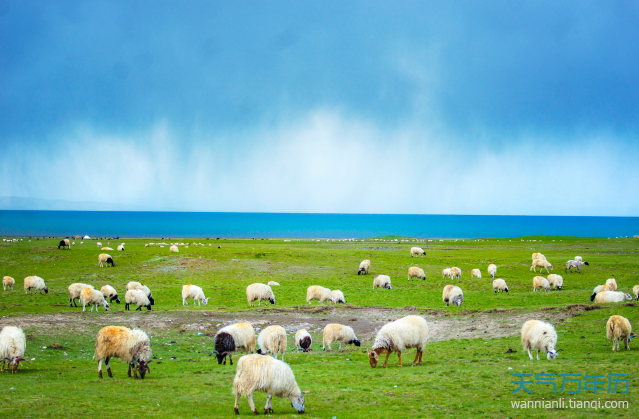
{"points": [[382, 281], [417, 251], [578, 258], [598, 289], [8, 282], [538, 335], [612, 297], [36, 283], [452, 294], [130, 345], [538, 256], [456, 272], [556, 281], [75, 290], [99, 244], [194, 292], [500, 285], [231, 338], [259, 292], [364, 266], [447, 273], [475, 273], [303, 340], [618, 329], [105, 259], [339, 333], [612, 283], [64, 243], [338, 296], [13, 344], [575, 264], [541, 282], [321, 294], [133, 285], [110, 293], [635, 290], [492, 270], [174, 249], [542, 264], [94, 298], [106, 248], [138, 298], [272, 340], [121, 248], [407, 332], [415, 272], [273, 284]]}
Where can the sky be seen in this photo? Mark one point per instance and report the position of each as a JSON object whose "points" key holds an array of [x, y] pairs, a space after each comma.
{"points": [[403, 107]]}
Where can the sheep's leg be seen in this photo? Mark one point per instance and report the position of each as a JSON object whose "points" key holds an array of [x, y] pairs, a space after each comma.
{"points": [[530, 354], [84, 307], [340, 346], [282, 356], [386, 360], [421, 356], [251, 404], [269, 404], [184, 302], [416, 361], [627, 343], [538, 350], [129, 372], [236, 408], [100, 369], [107, 361], [135, 371], [399, 355]]}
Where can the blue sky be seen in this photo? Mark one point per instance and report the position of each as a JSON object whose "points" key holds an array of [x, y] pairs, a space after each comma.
{"points": [[358, 107]]}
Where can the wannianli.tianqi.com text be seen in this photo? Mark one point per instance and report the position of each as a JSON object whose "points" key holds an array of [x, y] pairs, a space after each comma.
{"points": [[562, 403]]}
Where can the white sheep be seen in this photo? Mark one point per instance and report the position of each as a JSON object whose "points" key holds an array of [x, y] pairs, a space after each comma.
{"points": [[13, 344], [556, 281], [138, 298], [407, 332], [339, 333], [107, 248], [65, 243], [598, 289], [8, 282], [612, 283], [455, 272], [110, 293], [194, 292], [272, 340], [618, 329], [538, 256], [538, 335], [447, 273], [635, 290], [475, 273], [416, 251], [382, 281], [415, 272], [612, 297], [338, 296], [542, 264], [273, 284], [364, 266], [130, 345], [578, 258], [75, 290], [133, 285], [105, 259], [99, 244], [321, 294], [231, 338], [575, 264], [452, 294], [541, 282], [263, 373], [492, 270], [258, 292], [121, 248], [303, 340], [174, 249], [36, 283], [94, 298], [500, 285]]}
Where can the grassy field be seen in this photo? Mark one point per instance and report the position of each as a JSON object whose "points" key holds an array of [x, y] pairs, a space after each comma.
{"points": [[468, 365]]}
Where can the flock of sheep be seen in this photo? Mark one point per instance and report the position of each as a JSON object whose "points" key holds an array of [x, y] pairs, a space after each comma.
{"points": [[272, 375]]}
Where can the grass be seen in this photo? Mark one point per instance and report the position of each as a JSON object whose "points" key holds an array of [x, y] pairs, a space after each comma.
{"points": [[460, 376]]}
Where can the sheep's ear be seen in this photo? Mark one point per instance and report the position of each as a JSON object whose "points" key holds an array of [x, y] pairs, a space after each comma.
{"points": [[305, 392]]}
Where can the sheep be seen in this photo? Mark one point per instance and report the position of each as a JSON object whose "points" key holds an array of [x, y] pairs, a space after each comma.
{"points": [[338, 296], [272, 340], [136, 297], [93, 297], [273, 284], [453, 295], [36, 283], [232, 338], [106, 248], [578, 258], [492, 270], [174, 249], [407, 332], [541, 282], [303, 340], [618, 329], [500, 285], [557, 281], [110, 293], [105, 259], [99, 244], [417, 251], [130, 345], [612, 283], [475, 273], [138, 286], [194, 292], [75, 290], [321, 294], [539, 335], [364, 266], [8, 282], [382, 281], [456, 272], [339, 333], [538, 256], [64, 243], [13, 344], [121, 248], [258, 292], [612, 297], [542, 264], [415, 272], [635, 290], [575, 264], [275, 378], [446, 273], [598, 289]]}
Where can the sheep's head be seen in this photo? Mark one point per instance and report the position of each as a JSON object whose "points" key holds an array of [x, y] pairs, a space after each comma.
{"points": [[117, 299], [373, 358], [152, 301], [205, 301], [506, 289], [143, 368], [106, 305], [221, 356], [15, 363], [359, 271], [46, 290], [552, 354], [272, 300], [298, 402], [586, 263], [148, 307], [628, 297], [458, 300], [355, 342]]}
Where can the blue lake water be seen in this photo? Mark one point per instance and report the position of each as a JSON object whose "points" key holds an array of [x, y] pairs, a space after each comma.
{"points": [[220, 224]]}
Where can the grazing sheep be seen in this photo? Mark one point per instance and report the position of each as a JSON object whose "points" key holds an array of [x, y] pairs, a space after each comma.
{"points": [[94, 298], [106, 248], [416, 251], [598, 289], [174, 249], [578, 258], [415, 272], [130, 345], [557, 281], [475, 273], [321, 294], [612, 297], [138, 286], [541, 282], [364, 266], [382, 281], [13, 344], [110, 293], [538, 256], [618, 329], [339, 333], [36, 283], [303, 340], [447, 273], [258, 292], [612, 283], [194, 292], [138, 298], [105, 259], [541, 264], [492, 270], [74, 292], [635, 290], [121, 248], [575, 264], [275, 378], [455, 272], [273, 284], [539, 335], [8, 282], [500, 285], [407, 332], [64, 243], [232, 338], [453, 295], [99, 244], [338, 296], [272, 340]]}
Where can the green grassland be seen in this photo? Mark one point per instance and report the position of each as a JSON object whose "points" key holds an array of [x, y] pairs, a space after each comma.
{"points": [[465, 377]]}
